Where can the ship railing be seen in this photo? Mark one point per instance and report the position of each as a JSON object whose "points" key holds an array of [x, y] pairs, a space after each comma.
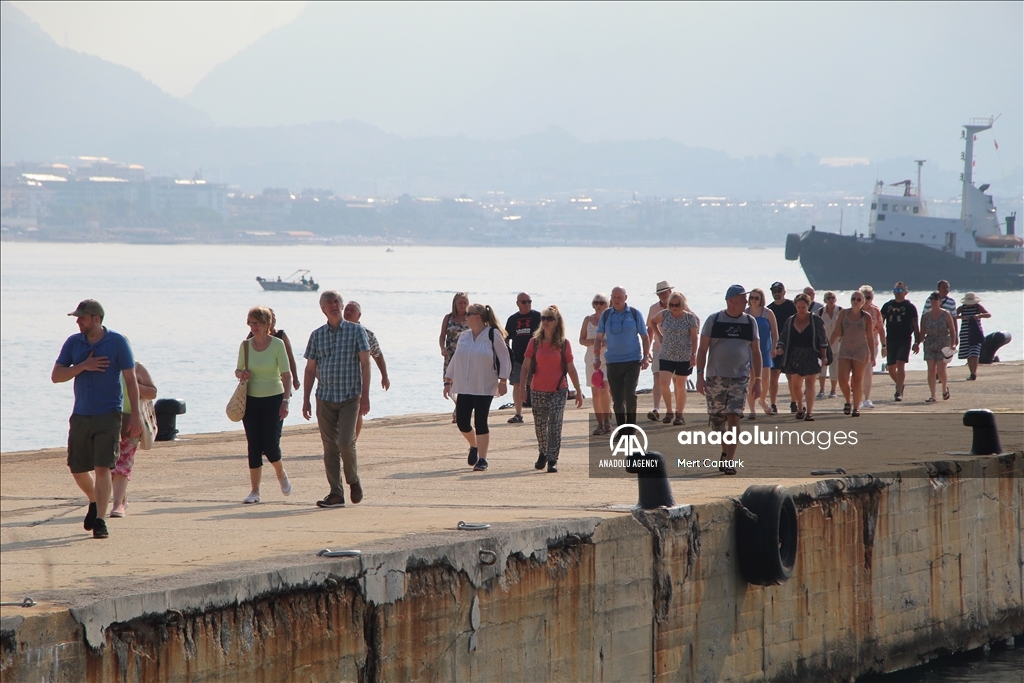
{"points": [[981, 121]]}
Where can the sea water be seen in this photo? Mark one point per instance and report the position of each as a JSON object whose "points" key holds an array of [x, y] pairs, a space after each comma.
{"points": [[183, 307]]}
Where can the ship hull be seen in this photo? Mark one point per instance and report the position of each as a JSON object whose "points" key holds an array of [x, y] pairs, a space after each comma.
{"points": [[846, 262]]}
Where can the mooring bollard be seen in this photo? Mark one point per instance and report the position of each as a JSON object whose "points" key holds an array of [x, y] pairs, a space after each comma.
{"points": [[651, 480], [167, 411], [985, 440]]}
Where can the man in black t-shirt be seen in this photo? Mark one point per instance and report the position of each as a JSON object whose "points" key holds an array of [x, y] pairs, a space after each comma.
{"points": [[520, 328], [783, 308], [901, 322]]}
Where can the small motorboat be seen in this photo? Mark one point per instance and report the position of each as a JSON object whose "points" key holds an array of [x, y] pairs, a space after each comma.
{"points": [[296, 282]]}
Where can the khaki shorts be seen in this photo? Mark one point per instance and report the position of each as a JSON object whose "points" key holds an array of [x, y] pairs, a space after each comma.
{"points": [[94, 441], [725, 395]]}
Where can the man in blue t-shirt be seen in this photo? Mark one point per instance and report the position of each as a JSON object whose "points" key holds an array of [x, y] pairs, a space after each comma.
{"points": [[96, 358], [620, 332]]}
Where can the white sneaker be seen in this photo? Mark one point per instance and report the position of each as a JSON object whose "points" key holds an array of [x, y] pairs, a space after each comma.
{"points": [[252, 498], [286, 485], [867, 404]]}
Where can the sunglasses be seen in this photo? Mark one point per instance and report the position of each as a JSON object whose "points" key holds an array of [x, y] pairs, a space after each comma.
{"points": [[855, 298], [525, 301], [898, 290], [754, 297], [675, 305], [250, 323], [548, 318], [598, 303]]}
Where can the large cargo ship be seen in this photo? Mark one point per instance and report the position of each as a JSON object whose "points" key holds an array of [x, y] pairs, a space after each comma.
{"points": [[904, 243]]}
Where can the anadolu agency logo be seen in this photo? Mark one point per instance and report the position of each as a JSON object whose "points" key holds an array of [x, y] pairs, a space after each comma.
{"points": [[628, 444], [629, 449]]}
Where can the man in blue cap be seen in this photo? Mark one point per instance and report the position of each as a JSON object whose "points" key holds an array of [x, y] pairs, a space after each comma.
{"points": [[729, 351], [96, 358]]}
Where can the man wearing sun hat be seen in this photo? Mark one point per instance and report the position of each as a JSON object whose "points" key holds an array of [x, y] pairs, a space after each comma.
{"points": [[96, 358], [664, 290], [730, 348]]}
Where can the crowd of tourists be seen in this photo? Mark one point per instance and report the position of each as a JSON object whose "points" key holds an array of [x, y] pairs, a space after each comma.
{"points": [[738, 355]]}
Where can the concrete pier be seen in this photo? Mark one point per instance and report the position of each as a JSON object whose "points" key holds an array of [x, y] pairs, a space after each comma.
{"points": [[915, 553]]}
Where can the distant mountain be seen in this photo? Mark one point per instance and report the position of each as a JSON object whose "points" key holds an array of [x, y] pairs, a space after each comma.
{"points": [[58, 102]]}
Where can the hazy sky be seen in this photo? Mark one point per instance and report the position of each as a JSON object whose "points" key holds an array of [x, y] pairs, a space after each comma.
{"points": [[173, 44], [875, 80]]}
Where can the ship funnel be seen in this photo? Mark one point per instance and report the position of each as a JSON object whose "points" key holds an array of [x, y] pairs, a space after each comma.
{"points": [[1011, 221]]}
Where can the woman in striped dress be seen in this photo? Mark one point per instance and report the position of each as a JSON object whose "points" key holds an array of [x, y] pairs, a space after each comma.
{"points": [[970, 314]]}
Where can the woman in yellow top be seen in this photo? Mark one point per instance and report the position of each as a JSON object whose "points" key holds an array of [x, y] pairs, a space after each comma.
{"points": [[266, 404]]}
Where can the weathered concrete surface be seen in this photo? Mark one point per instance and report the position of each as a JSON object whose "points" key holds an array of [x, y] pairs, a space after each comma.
{"points": [[580, 587]]}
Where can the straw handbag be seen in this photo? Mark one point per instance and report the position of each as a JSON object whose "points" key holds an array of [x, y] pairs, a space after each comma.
{"points": [[236, 405]]}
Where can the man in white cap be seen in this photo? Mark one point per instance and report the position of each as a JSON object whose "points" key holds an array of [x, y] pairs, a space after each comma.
{"points": [[96, 358], [664, 290], [730, 348]]}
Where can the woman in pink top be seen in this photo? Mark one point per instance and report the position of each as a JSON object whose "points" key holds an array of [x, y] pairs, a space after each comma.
{"points": [[549, 356]]}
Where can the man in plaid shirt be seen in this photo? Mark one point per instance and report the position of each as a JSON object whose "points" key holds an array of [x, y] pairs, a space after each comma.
{"points": [[338, 360]]}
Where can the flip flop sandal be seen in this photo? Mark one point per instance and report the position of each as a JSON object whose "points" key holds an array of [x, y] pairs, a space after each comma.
{"points": [[668, 419], [808, 418], [846, 408], [930, 399], [800, 414], [653, 415], [679, 420], [855, 413], [726, 470], [945, 394], [599, 431]]}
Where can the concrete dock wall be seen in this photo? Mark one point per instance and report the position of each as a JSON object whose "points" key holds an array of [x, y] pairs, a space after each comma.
{"points": [[892, 570]]}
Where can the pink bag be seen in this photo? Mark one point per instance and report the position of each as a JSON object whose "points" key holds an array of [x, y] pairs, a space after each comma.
{"points": [[597, 379]]}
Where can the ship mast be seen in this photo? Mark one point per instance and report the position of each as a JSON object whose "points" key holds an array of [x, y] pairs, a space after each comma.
{"points": [[920, 163], [971, 129]]}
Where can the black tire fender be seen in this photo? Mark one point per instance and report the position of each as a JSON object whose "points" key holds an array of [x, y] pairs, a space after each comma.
{"points": [[766, 546], [792, 246]]}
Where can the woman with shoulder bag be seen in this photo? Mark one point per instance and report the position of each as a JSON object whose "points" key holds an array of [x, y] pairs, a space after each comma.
{"points": [[549, 356], [477, 372], [263, 363], [122, 472], [803, 347]]}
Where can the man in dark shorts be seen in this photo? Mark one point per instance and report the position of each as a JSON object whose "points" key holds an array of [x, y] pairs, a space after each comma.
{"points": [[731, 349], [783, 308], [901, 321], [96, 358], [520, 328]]}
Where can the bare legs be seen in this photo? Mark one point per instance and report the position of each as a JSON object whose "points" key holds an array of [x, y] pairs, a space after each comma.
{"points": [[119, 486], [898, 372], [802, 389], [668, 380], [972, 364], [256, 474], [765, 380], [602, 404], [848, 367], [656, 391], [936, 369], [866, 378], [774, 385], [478, 441], [96, 490]]}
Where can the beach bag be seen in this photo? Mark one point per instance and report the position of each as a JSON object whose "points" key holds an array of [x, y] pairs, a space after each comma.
{"points": [[236, 404], [149, 426]]}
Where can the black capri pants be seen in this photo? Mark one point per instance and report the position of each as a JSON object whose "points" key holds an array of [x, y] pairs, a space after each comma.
{"points": [[262, 422], [466, 405]]}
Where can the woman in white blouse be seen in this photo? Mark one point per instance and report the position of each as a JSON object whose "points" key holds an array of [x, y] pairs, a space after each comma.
{"points": [[478, 372]]}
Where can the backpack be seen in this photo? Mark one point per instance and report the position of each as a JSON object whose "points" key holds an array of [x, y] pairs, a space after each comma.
{"points": [[636, 317]]}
